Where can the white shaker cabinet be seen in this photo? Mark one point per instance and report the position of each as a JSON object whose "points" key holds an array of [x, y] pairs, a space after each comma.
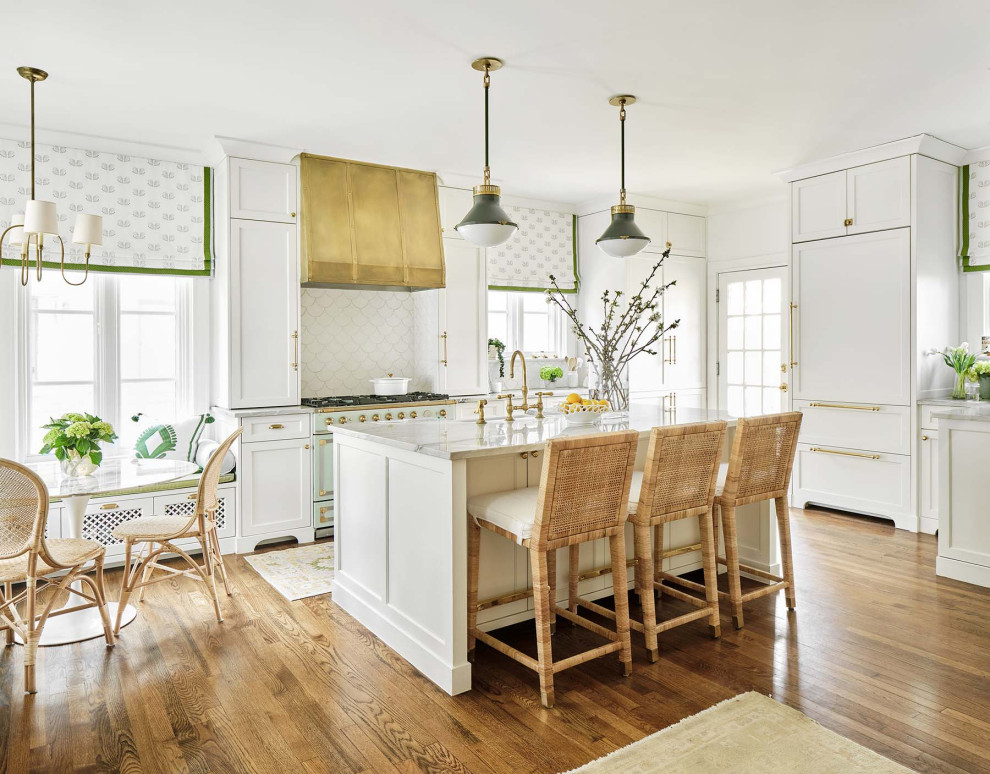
{"points": [[276, 489], [463, 321], [853, 319], [683, 348], [262, 316], [263, 190], [686, 234], [928, 472], [646, 371], [818, 207]]}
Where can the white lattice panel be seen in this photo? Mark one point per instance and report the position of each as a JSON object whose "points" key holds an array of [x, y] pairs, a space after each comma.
{"points": [[99, 525], [187, 507]]}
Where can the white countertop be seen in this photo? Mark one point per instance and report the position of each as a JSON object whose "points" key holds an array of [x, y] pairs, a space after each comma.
{"points": [[456, 439], [976, 411], [951, 402]]}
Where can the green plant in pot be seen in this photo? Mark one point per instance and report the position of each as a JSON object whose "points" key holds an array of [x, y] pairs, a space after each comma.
{"points": [[981, 372], [961, 361], [500, 354], [75, 441], [551, 373]]}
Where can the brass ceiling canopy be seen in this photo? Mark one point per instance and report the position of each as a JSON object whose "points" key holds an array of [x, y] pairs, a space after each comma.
{"points": [[622, 99], [32, 73], [489, 63]]}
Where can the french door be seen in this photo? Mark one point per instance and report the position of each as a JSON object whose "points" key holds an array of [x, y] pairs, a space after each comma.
{"points": [[753, 341]]}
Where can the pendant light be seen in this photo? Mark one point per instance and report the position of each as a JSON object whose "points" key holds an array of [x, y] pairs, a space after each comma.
{"points": [[623, 238], [40, 218], [486, 224]]}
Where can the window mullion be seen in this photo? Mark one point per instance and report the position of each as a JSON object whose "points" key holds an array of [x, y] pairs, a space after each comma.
{"points": [[108, 351]]}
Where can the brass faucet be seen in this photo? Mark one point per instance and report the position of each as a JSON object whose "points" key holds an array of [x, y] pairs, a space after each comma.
{"points": [[512, 375]]}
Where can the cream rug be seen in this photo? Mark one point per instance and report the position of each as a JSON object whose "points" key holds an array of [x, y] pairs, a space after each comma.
{"points": [[298, 572], [747, 733]]}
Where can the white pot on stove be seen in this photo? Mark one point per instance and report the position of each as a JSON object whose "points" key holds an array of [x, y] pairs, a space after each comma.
{"points": [[390, 385]]}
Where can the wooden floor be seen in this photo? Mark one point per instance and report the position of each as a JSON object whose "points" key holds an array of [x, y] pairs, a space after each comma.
{"points": [[878, 650]]}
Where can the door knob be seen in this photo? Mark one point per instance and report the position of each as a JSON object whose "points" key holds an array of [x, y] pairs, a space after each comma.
{"points": [[783, 387]]}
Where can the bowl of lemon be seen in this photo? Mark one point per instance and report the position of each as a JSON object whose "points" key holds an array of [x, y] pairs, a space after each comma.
{"points": [[582, 411]]}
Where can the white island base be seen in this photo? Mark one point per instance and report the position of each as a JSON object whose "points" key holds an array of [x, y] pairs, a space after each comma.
{"points": [[401, 530]]}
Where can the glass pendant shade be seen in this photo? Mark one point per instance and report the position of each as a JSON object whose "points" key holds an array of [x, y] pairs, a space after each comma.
{"points": [[40, 218], [486, 223], [623, 238], [88, 230]]}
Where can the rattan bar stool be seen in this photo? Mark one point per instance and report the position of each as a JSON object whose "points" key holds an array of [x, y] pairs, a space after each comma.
{"points": [[678, 482], [26, 556], [759, 469], [159, 532], [583, 495]]}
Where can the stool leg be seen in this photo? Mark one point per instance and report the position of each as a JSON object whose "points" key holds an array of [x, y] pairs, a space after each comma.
{"points": [[32, 635], [657, 558], [474, 555], [618, 545], [706, 527], [541, 604], [573, 573], [552, 577], [784, 529], [7, 596], [732, 561], [644, 585]]}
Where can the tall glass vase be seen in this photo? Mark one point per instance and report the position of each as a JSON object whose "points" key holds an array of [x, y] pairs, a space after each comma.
{"points": [[613, 387], [959, 391]]}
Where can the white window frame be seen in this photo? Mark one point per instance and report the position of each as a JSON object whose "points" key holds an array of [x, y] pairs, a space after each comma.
{"points": [[107, 358], [562, 340]]}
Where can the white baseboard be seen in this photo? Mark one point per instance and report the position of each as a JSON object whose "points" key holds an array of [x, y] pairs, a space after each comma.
{"points": [[246, 545], [977, 574]]}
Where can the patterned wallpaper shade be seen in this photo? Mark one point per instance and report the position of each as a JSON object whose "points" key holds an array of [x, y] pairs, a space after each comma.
{"points": [[156, 214], [974, 216], [543, 246]]}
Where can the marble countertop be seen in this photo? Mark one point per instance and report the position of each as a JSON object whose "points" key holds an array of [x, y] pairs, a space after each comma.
{"points": [[976, 411], [950, 402], [272, 411], [457, 439]]}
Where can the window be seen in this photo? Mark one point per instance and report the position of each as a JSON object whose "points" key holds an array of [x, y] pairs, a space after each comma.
{"points": [[525, 321], [115, 346]]}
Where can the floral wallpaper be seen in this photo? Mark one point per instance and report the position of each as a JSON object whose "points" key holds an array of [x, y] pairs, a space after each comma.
{"points": [[543, 245], [156, 214]]}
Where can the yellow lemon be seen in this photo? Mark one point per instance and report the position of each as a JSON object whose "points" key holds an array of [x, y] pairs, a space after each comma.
{"points": [[603, 402], [586, 403], [573, 398]]}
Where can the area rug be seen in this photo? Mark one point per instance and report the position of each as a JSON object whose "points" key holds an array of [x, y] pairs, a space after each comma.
{"points": [[747, 733], [298, 572]]}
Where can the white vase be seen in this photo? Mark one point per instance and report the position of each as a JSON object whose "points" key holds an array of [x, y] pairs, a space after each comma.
{"points": [[76, 466]]}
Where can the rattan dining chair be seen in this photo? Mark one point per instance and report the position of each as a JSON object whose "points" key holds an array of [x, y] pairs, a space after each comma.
{"points": [[27, 556], [583, 495], [759, 469], [678, 482], [159, 533]]}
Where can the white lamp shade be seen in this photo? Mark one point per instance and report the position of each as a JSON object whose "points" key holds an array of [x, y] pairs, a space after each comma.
{"points": [[622, 248], [40, 218], [16, 235], [487, 234], [88, 230]]}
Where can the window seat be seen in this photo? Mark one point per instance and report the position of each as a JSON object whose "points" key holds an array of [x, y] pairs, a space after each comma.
{"points": [[183, 483]]}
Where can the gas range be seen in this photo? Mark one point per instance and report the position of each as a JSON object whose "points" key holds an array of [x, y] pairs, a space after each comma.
{"points": [[377, 408]]}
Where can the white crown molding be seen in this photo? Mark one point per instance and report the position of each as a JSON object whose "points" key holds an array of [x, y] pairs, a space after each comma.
{"points": [[220, 147], [105, 144], [977, 154], [740, 205], [923, 144], [603, 203]]}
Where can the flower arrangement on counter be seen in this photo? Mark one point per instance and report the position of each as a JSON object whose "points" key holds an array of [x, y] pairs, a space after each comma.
{"points": [[75, 441], [961, 361], [980, 372], [551, 373]]}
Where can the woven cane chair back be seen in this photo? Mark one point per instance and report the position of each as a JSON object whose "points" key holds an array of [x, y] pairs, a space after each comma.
{"points": [[23, 510], [762, 457]]}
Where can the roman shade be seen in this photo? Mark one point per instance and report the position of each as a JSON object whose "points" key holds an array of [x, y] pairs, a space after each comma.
{"points": [[156, 214], [974, 216], [545, 245]]}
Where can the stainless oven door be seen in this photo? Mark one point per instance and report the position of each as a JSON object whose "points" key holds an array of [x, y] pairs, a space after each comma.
{"points": [[323, 467]]}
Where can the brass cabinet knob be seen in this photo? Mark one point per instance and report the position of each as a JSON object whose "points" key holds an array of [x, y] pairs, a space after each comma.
{"points": [[292, 214], [329, 421], [524, 455], [783, 387], [375, 417], [847, 222], [342, 421], [443, 412], [388, 417], [924, 438], [322, 492], [362, 418], [402, 415], [306, 446], [534, 455], [412, 414]]}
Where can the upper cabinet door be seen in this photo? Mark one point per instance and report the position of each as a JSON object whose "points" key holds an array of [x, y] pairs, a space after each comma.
{"points": [[327, 254], [646, 371], [653, 223], [262, 190], [818, 207], [463, 345], [683, 348], [878, 196], [421, 236], [377, 235], [852, 324], [264, 315], [686, 234], [454, 205]]}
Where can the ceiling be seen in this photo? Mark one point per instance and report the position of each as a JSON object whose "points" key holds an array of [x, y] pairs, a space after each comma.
{"points": [[728, 91]]}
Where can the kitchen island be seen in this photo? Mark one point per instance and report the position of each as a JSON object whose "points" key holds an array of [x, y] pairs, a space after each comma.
{"points": [[401, 528]]}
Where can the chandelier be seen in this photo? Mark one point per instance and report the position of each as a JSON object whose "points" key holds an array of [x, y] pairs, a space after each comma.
{"points": [[40, 218]]}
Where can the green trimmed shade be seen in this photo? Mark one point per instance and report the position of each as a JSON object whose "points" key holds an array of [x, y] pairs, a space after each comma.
{"points": [[486, 223], [623, 238]]}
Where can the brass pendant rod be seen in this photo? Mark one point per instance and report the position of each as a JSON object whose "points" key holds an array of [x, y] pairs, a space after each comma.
{"points": [[32, 138], [488, 81], [622, 145]]}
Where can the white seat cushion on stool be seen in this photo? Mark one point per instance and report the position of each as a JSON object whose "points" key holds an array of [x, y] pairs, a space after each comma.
{"points": [[637, 485], [513, 510]]}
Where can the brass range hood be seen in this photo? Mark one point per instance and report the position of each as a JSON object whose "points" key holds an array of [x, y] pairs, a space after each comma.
{"points": [[369, 226]]}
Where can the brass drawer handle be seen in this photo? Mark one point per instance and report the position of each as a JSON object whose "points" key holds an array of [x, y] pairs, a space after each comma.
{"points": [[443, 336], [295, 351], [276, 427], [323, 442], [840, 406], [845, 453], [109, 506]]}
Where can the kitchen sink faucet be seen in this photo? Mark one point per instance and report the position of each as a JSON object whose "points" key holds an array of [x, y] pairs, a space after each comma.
{"points": [[525, 387]]}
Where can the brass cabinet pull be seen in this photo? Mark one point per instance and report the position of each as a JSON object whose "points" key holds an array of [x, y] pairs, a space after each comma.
{"points": [[306, 446], [295, 350], [193, 496], [924, 438], [783, 387], [443, 412], [841, 406], [322, 492], [109, 506], [524, 455], [847, 222], [790, 338], [669, 357], [292, 214], [674, 340], [276, 427], [534, 454], [443, 336], [323, 442], [845, 453]]}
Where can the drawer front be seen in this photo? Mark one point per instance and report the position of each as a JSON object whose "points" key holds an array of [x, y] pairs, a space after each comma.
{"points": [[275, 428], [869, 427], [322, 515], [185, 503], [866, 482]]}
